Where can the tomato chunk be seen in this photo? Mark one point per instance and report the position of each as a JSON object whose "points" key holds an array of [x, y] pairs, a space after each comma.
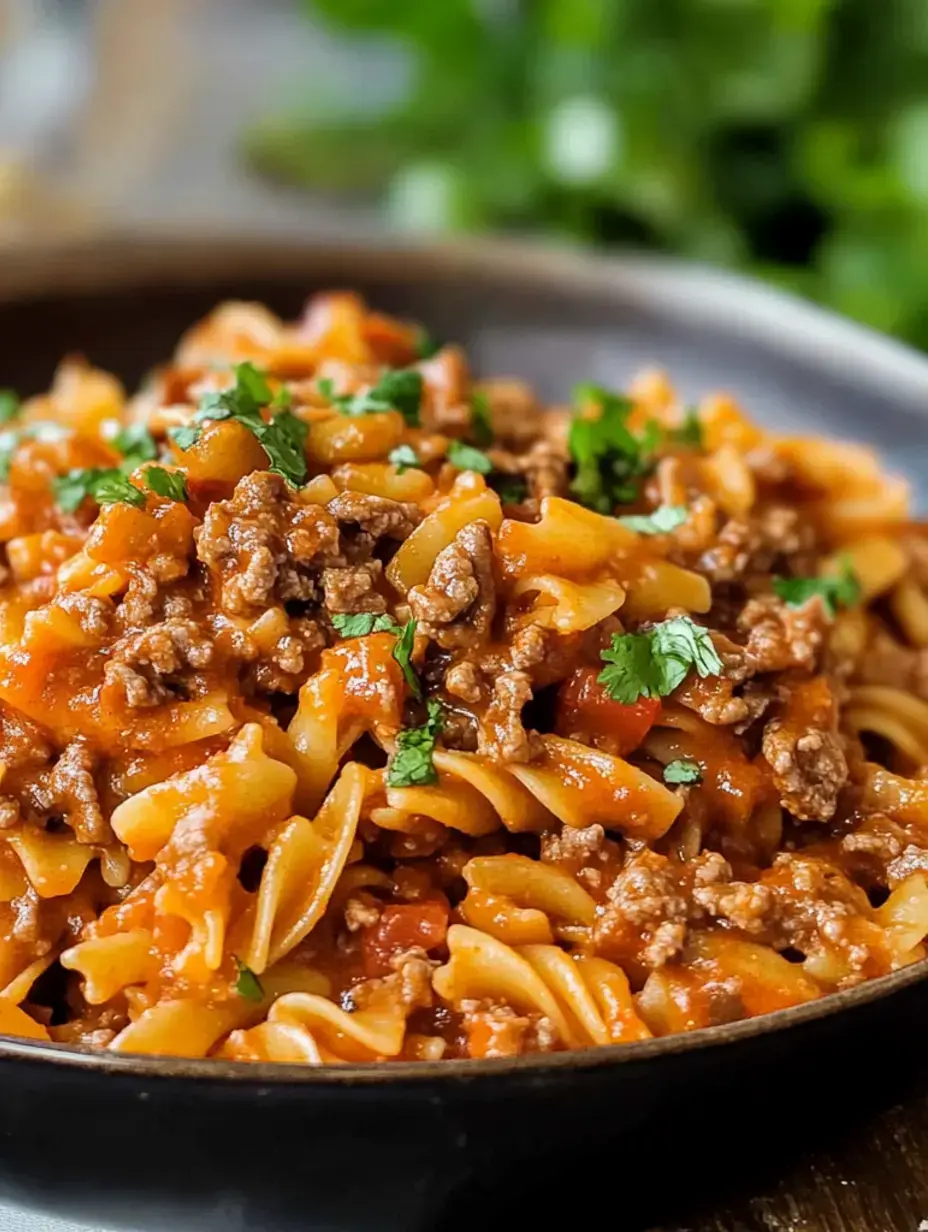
{"points": [[585, 709], [401, 928]]}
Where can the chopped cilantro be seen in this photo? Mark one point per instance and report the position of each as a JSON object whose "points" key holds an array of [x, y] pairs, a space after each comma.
{"points": [[481, 419], [654, 663], [359, 624], [467, 458], [411, 764], [282, 400], [399, 389], [402, 652], [171, 484], [426, 346], [690, 431], [404, 458], [248, 985], [281, 438], [9, 405], [136, 444], [609, 457], [511, 489], [681, 771], [106, 487], [841, 589], [663, 519]]}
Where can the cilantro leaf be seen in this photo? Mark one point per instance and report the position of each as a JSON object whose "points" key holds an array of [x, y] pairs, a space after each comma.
{"points": [[665, 518], [359, 624], [136, 444], [248, 985], [282, 438], [654, 663], [282, 400], [690, 431], [402, 652], [400, 390], [9, 405], [681, 771], [326, 387], [609, 457], [467, 458], [481, 419], [105, 486], [511, 489], [841, 589], [426, 346], [171, 484], [404, 458], [411, 764]]}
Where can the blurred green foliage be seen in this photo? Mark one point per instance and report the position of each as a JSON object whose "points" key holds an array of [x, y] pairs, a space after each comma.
{"points": [[788, 137]]}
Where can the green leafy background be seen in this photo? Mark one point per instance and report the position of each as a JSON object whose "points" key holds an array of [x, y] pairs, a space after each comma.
{"points": [[785, 137]]}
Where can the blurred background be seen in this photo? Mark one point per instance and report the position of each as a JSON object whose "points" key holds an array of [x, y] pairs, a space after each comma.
{"points": [[786, 138]]}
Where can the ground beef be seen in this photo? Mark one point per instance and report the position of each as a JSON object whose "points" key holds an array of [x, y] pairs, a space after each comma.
{"points": [[463, 680], [69, 790], [22, 742], [544, 466], [781, 637], [455, 608], [141, 667], [756, 544], [447, 405], [375, 517], [501, 735], [354, 588], [809, 768], [265, 546], [286, 665]]}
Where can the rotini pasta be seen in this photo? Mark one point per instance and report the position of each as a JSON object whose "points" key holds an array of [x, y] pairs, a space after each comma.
{"points": [[353, 711]]}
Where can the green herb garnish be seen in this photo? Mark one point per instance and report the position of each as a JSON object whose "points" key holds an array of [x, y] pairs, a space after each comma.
{"points": [[664, 519], [9, 405], [690, 431], [404, 458], [511, 489], [170, 484], [841, 589], [105, 486], [136, 444], [399, 390], [359, 624], [467, 458], [654, 663], [248, 985], [681, 771], [426, 346], [411, 764], [481, 419], [282, 438], [402, 652], [609, 457]]}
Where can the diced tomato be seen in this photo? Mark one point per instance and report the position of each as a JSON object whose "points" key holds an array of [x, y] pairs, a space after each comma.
{"points": [[401, 928], [584, 708]]}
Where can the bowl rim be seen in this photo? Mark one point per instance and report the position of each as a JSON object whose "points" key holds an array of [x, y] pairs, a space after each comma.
{"points": [[676, 290]]}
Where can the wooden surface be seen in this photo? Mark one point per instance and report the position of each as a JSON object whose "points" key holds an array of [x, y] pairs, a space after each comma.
{"points": [[872, 1177]]}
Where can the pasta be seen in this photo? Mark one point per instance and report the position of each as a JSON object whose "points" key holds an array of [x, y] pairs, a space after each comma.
{"points": [[352, 710]]}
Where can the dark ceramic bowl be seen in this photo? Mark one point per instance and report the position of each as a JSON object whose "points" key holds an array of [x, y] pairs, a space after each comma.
{"points": [[152, 1143]]}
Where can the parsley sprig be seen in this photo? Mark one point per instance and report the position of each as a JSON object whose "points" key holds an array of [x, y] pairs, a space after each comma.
{"points": [[481, 419], [9, 405], [682, 771], [397, 390], [248, 985], [136, 444], [360, 624], [105, 485], [609, 457], [664, 519], [282, 437], [467, 458], [654, 663], [841, 589], [404, 458], [411, 764]]}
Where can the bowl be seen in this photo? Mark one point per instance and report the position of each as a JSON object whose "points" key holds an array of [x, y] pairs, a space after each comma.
{"points": [[151, 1142]]}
